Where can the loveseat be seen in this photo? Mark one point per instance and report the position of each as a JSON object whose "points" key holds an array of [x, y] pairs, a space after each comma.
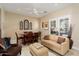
{"points": [[56, 43]]}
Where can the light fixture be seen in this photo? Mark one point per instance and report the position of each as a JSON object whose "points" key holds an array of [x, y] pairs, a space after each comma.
{"points": [[56, 4], [35, 11], [45, 11], [38, 12], [18, 9]]}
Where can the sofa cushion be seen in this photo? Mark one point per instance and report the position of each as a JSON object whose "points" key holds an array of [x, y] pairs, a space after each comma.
{"points": [[1, 41], [46, 37], [7, 42], [53, 37], [2, 44], [1, 48], [13, 51], [37, 45], [43, 51], [60, 40]]}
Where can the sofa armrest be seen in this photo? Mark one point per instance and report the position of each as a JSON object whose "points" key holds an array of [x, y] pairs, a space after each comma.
{"points": [[14, 44], [3, 51], [66, 43], [64, 47]]}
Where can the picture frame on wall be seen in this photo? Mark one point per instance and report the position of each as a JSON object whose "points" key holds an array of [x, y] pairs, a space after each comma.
{"points": [[26, 25], [45, 25], [30, 25], [21, 25]]}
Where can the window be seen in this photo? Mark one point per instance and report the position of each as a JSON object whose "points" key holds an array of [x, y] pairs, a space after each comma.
{"points": [[59, 26], [64, 25], [53, 27]]}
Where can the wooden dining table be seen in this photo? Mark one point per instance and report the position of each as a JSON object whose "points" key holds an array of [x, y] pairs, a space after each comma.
{"points": [[29, 37]]}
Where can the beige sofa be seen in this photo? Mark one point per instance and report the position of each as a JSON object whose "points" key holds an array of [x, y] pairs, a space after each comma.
{"points": [[52, 42]]}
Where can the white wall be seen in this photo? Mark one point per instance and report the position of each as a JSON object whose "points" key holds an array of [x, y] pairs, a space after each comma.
{"points": [[74, 12], [0, 22], [11, 24], [75, 24], [0, 18], [56, 14]]}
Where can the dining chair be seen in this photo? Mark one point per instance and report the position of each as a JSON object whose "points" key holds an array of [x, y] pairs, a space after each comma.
{"points": [[18, 38]]}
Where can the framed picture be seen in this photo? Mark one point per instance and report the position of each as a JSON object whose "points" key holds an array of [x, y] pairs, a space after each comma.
{"points": [[45, 25], [26, 25], [30, 25], [21, 25]]}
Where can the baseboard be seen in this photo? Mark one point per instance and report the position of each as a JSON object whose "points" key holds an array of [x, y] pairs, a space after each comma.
{"points": [[75, 48]]}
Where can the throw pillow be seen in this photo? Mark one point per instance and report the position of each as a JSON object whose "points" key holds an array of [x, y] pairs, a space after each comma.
{"points": [[60, 40], [2, 47], [46, 37], [7, 43], [2, 43]]}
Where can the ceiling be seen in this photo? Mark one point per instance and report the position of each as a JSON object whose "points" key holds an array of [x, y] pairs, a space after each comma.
{"points": [[33, 9]]}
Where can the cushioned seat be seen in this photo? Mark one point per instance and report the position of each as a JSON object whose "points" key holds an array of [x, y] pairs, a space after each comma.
{"points": [[38, 51], [13, 51]]}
